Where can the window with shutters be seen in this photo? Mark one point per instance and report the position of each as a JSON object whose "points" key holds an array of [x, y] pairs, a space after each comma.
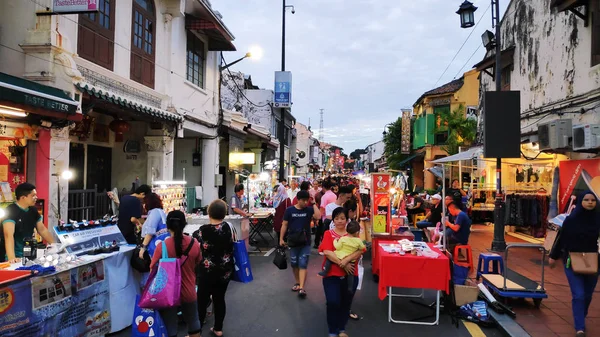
{"points": [[195, 60], [96, 35], [595, 14], [143, 42]]}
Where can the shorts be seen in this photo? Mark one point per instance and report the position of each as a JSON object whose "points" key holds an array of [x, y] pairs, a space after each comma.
{"points": [[299, 256]]}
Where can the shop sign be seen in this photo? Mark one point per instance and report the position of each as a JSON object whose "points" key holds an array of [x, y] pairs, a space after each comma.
{"points": [[21, 97], [576, 177], [75, 6], [439, 101], [405, 144], [71, 303], [380, 202], [282, 97]]}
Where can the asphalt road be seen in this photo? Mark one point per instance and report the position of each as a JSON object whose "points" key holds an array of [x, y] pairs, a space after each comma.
{"points": [[267, 308]]}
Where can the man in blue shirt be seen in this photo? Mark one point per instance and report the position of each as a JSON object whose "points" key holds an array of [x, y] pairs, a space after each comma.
{"points": [[459, 231], [296, 223]]}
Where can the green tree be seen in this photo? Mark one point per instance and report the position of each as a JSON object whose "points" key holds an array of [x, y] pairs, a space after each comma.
{"points": [[461, 130], [392, 141]]}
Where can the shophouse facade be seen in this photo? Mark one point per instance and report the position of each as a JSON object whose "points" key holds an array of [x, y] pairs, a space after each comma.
{"points": [[429, 136], [145, 74]]}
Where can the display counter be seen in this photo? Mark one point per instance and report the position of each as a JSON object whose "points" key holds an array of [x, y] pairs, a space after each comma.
{"points": [[241, 225], [90, 296]]}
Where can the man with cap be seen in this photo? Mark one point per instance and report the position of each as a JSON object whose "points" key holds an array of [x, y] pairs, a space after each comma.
{"points": [[434, 215]]}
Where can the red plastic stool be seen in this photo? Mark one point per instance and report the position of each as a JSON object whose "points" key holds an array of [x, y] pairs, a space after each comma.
{"points": [[469, 254]]}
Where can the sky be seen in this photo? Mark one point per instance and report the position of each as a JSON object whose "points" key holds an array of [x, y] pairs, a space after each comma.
{"points": [[359, 60]]}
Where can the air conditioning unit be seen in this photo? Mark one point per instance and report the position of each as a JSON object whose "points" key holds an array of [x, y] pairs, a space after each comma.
{"points": [[586, 137], [555, 134]]}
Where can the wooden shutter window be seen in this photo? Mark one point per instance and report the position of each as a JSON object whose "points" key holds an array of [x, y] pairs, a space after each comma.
{"points": [[143, 39], [595, 17], [96, 35]]}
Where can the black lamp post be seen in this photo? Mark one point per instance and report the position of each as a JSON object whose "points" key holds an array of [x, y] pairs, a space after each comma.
{"points": [[282, 125], [466, 12]]}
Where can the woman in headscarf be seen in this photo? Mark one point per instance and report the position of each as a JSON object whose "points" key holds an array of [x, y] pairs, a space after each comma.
{"points": [[281, 202], [579, 234]]}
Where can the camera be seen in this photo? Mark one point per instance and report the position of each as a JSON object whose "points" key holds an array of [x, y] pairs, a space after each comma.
{"points": [[293, 11]]}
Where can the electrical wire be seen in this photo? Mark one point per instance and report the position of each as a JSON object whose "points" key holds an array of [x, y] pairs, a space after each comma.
{"points": [[240, 90], [470, 57], [461, 47]]}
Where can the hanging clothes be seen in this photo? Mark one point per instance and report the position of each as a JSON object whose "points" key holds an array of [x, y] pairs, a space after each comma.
{"points": [[528, 211]]}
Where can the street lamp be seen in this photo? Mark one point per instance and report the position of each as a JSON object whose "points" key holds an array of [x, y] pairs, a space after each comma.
{"points": [[282, 124], [467, 14], [255, 52], [466, 11], [384, 129]]}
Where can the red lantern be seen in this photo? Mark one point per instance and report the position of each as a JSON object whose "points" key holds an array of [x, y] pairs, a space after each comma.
{"points": [[119, 127]]}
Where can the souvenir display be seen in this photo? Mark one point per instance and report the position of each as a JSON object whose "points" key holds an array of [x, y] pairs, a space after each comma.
{"points": [[173, 195]]}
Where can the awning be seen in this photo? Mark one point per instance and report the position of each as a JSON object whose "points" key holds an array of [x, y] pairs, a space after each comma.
{"points": [[471, 153], [28, 93], [218, 38], [137, 107], [410, 158], [436, 171]]}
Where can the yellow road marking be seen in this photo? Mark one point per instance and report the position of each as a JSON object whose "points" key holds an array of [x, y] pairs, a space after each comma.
{"points": [[474, 329]]}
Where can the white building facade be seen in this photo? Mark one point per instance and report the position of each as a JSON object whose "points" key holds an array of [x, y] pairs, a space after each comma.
{"points": [[146, 76]]}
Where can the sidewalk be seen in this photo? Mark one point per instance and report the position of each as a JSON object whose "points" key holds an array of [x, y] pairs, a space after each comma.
{"points": [[554, 318]]}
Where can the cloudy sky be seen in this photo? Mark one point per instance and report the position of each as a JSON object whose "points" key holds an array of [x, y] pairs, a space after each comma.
{"points": [[359, 60]]}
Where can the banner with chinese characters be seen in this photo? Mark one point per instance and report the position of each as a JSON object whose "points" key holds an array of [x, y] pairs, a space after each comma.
{"points": [[577, 176], [380, 201], [69, 303], [405, 144]]}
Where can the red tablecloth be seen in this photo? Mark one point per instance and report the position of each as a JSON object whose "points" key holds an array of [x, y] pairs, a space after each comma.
{"points": [[408, 271], [377, 239]]}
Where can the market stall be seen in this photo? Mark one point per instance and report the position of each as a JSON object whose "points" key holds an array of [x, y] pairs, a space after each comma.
{"points": [[241, 225], [172, 194], [89, 295], [260, 189]]}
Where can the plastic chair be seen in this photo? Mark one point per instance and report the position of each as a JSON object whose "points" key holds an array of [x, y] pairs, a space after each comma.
{"points": [[419, 218], [469, 255], [483, 264]]}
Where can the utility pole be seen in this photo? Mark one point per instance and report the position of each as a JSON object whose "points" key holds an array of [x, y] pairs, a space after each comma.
{"points": [[499, 242], [282, 124], [321, 136]]}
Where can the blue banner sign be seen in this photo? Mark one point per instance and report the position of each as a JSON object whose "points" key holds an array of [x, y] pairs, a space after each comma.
{"points": [[282, 97]]}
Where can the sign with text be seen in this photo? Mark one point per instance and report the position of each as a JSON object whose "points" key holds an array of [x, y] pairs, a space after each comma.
{"points": [[75, 6], [79, 241], [380, 202], [70, 303], [405, 144], [576, 177], [282, 97]]}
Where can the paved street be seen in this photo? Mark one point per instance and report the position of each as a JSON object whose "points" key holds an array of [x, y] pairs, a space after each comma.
{"points": [[267, 308]]}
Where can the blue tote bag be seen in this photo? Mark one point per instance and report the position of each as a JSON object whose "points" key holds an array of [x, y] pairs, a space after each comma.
{"points": [[147, 322], [241, 260]]}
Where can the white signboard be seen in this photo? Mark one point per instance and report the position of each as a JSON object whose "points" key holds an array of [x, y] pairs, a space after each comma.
{"points": [[75, 6], [83, 240]]}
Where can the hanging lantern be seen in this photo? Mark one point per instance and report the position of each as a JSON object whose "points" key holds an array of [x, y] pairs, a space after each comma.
{"points": [[119, 127], [467, 14]]}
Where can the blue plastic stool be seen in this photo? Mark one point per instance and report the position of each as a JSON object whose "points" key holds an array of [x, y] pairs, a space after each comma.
{"points": [[483, 265]]}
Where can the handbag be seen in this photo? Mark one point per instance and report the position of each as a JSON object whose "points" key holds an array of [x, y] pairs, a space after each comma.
{"points": [[584, 263], [242, 271], [280, 259], [162, 233], [141, 265], [147, 322], [163, 288]]}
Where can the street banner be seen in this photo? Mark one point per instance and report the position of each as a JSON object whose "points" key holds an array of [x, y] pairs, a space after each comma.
{"points": [[380, 202], [70, 303], [282, 97], [405, 140], [75, 6], [577, 176]]}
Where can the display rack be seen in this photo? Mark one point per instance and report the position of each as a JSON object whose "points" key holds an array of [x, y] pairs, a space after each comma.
{"points": [[172, 194]]}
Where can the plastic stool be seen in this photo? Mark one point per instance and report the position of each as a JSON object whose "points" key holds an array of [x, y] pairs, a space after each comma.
{"points": [[483, 265], [469, 254], [419, 218]]}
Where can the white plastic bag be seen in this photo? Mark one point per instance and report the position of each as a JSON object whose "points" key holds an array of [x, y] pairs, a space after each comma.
{"points": [[361, 273]]}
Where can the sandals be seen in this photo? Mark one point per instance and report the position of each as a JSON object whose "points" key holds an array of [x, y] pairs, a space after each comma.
{"points": [[343, 334], [302, 293], [296, 287], [214, 333], [355, 316]]}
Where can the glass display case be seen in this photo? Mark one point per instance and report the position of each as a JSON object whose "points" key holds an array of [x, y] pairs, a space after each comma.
{"points": [[172, 194]]}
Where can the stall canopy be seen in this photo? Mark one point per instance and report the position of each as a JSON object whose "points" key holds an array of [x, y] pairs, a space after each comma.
{"points": [[471, 153]]}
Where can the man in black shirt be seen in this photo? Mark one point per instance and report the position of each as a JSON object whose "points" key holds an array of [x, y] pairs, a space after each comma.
{"points": [[418, 207], [434, 215], [130, 213], [21, 218]]}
